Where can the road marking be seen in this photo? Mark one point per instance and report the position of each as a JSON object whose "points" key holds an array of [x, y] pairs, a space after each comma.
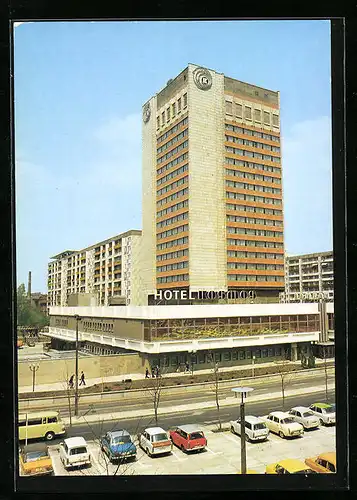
{"points": [[213, 452], [231, 438], [177, 457]]}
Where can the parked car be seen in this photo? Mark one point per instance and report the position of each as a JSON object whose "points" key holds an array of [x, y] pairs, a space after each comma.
{"points": [[305, 417], [188, 438], [35, 462], [255, 428], [74, 452], [325, 412], [323, 463], [289, 466], [118, 445], [283, 424], [155, 441]]}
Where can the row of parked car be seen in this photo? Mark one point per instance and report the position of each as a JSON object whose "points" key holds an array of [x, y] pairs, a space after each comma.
{"points": [[118, 445], [286, 424]]}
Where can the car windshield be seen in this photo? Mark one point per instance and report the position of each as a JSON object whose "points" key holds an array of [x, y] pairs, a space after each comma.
{"points": [[308, 414], [330, 409], [31, 456], [160, 437], [121, 439], [196, 435], [287, 420], [259, 426]]}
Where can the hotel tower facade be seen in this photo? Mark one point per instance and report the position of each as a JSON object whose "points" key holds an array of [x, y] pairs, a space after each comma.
{"points": [[212, 187]]}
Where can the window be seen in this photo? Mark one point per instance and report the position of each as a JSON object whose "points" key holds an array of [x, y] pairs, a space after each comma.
{"points": [[275, 120], [257, 115], [227, 356], [241, 354], [217, 357], [229, 107], [179, 105], [34, 421], [235, 355], [248, 112], [257, 353], [185, 100], [51, 420], [163, 118], [238, 110], [158, 122], [265, 353], [201, 357], [173, 109], [267, 117]]}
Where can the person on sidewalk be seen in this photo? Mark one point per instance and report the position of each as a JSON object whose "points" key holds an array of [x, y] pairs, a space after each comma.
{"points": [[82, 382], [147, 375], [153, 372], [70, 382], [157, 371], [187, 366]]}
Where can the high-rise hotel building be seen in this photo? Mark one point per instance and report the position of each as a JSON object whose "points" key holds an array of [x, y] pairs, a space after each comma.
{"points": [[212, 187], [109, 269]]}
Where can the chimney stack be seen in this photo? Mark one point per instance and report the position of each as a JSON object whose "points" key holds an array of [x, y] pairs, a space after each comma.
{"points": [[29, 286]]}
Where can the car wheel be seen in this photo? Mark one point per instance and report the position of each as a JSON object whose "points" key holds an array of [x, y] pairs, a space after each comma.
{"points": [[247, 438], [148, 452], [232, 429], [321, 421], [49, 436], [182, 448], [281, 434]]}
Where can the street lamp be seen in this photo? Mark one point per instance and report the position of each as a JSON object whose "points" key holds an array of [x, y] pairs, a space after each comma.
{"points": [[243, 454], [34, 367], [253, 361], [77, 318]]}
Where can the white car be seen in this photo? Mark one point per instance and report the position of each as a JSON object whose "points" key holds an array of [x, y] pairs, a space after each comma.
{"points": [[325, 412], [305, 417], [155, 441], [283, 424], [74, 452], [255, 428]]}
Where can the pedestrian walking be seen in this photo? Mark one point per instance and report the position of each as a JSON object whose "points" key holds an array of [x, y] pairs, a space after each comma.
{"points": [[70, 382], [147, 375], [157, 370], [82, 382], [153, 372], [187, 366]]}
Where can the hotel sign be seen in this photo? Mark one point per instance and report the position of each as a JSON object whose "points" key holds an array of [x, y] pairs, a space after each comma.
{"points": [[204, 295], [290, 297]]}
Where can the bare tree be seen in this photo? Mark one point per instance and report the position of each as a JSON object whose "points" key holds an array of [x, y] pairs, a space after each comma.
{"points": [[286, 375], [154, 387], [215, 387]]}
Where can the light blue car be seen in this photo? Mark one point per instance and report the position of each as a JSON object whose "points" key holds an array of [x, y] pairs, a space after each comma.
{"points": [[118, 445]]}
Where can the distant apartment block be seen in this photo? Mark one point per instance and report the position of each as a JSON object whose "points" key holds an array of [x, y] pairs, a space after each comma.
{"points": [[309, 277], [212, 186], [109, 269]]}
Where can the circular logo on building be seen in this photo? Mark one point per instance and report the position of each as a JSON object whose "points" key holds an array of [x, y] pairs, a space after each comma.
{"points": [[202, 78], [146, 113]]}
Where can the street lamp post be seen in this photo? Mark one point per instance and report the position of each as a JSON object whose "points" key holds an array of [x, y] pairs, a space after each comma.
{"points": [[243, 454], [77, 318], [34, 367], [253, 361]]}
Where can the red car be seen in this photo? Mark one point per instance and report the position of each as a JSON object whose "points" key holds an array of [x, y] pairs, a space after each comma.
{"points": [[188, 438]]}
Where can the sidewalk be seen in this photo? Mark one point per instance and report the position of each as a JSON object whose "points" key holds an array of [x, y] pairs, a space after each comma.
{"points": [[60, 386], [94, 417]]}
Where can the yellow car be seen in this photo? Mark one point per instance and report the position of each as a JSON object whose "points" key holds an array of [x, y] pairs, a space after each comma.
{"points": [[323, 463], [35, 463], [289, 466]]}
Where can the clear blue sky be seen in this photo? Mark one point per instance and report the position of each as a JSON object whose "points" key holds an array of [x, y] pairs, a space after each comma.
{"points": [[79, 88]]}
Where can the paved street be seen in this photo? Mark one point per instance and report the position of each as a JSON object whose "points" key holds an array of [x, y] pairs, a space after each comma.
{"points": [[222, 455]]}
